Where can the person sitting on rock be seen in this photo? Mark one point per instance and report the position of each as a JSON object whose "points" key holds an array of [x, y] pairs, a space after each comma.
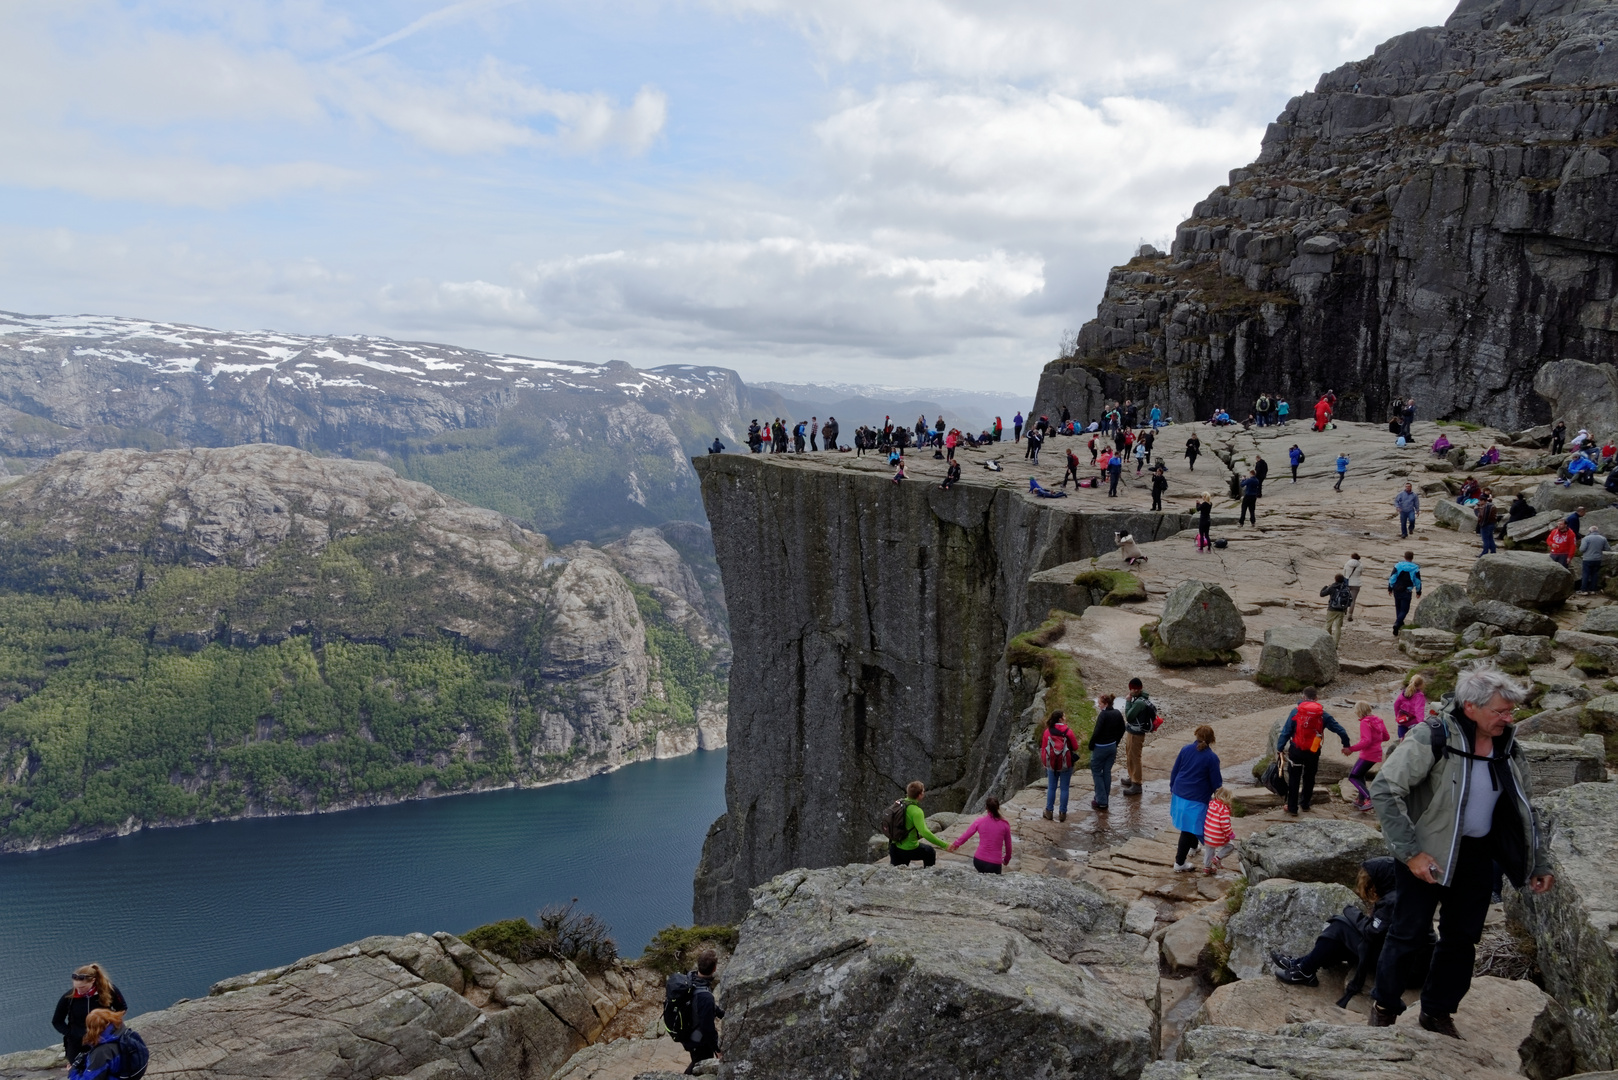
{"points": [[1441, 445], [1491, 456], [1561, 543], [951, 475], [1469, 490], [909, 847], [1521, 508], [1356, 937]]}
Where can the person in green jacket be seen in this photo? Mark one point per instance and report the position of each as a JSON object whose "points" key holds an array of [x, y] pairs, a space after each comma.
{"points": [[1453, 799], [903, 852]]}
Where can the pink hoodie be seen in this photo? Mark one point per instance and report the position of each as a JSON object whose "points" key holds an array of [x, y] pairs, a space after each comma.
{"points": [[1373, 733], [994, 839]]}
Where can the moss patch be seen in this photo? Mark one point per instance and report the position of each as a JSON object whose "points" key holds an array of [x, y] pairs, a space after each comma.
{"points": [[675, 948], [1168, 657], [1591, 664], [1116, 586], [563, 933], [1286, 684], [1059, 670]]}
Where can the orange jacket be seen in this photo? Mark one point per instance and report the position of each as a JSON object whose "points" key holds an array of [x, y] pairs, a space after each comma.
{"points": [[1561, 541]]}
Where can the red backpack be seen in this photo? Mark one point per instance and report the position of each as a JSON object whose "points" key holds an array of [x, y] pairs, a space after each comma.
{"points": [[1056, 750], [1311, 726]]}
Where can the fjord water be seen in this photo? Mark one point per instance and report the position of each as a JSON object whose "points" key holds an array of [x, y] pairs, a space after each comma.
{"points": [[172, 910]]}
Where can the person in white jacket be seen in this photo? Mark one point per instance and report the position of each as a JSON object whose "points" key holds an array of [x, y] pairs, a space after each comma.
{"points": [[1351, 571]]}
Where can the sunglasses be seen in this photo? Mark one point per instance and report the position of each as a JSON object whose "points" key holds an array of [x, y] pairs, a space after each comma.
{"points": [[76, 977]]}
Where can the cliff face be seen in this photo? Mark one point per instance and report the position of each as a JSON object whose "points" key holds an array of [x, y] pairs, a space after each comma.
{"points": [[1434, 221], [869, 624]]}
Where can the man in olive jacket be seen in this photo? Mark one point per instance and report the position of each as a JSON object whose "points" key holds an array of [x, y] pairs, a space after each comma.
{"points": [[1453, 799]]}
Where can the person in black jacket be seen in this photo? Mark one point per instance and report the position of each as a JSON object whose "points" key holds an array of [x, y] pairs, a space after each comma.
{"points": [[704, 1040], [92, 989], [1355, 937], [1160, 484], [1104, 739]]}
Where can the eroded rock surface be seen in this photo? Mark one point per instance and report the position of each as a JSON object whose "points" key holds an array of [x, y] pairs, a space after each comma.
{"points": [[1525, 579], [1280, 916], [1314, 850], [1295, 657]]}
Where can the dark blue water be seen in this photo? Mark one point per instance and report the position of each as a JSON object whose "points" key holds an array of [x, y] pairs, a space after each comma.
{"points": [[170, 911]]}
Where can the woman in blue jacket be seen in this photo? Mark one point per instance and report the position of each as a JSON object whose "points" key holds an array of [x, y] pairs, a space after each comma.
{"points": [[1192, 782]]}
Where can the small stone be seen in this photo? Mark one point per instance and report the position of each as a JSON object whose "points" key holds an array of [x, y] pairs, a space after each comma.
{"points": [[1512, 619], [1517, 649], [1421, 643], [1603, 620], [1140, 917]]}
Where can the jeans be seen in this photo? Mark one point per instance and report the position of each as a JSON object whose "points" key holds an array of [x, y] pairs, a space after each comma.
{"points": [[1592, 575], [1464, 903], [1401, 608], [1101, 759], [1053, 779], [1488, 540], [1407, 524], [1114, 474], [1301, 778], [1559, 559]]}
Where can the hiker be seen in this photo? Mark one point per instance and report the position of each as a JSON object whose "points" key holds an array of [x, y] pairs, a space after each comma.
{"points": [[1488, 516], [1410, 705], [1193, 447], [1218, 834], [1140, 717], [1561, 543], [1157, 417], [1058, 749], [999, 429], [1520, 508], [702, 1041], [1261, 409], [1016, 427], [1192, 782], [1342, 470], [1295, 456], [91, 989], [1491, 456], [1115, 469], [1204, 522], [1409, 505], [1351, 570], [1072, 467], [1373, 733], [1454, 799], [1283, 412], [1261, 469], [717, 447], [104, 1055], [1591, 549], [1035, 440], [994, 838], [1322, 414], [1160, 484], [1405, 579], [1104, 738], [914, 830], [1356, 936], [1141, 451], [1574, 520], [828, 431], [1301, 736], [814, 433], [1250, 490], [1339, 598]]}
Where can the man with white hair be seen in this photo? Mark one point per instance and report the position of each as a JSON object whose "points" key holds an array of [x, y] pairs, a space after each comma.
{"points": [[1591, 549], [1453, 798]]}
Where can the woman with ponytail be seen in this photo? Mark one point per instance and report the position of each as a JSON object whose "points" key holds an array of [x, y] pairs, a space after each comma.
{"points": [[92, 989], [994, 838]]}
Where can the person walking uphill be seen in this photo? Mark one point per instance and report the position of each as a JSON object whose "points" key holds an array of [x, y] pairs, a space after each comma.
{"points": [[1192, 782], [1405, 579], [1104, 739], [1339, 598], [92, 989], [1453, 800], [1301, 737], [994, 839], [1140, 719], [1373, 733], [1058, 750], [912, 830]]}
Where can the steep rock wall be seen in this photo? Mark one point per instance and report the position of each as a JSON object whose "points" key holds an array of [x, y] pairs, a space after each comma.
{"points": [[1434, 221], [869, 623]]}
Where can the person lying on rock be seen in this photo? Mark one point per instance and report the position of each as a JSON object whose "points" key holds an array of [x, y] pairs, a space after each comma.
{"points": [[1356, 937]]}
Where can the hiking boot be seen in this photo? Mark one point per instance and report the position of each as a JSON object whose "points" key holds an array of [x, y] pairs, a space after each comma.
{"points": [[1439, 1024], [1296, 977], [1062, 816], [1381, 1017], [1282, 960], [1049, 816]]}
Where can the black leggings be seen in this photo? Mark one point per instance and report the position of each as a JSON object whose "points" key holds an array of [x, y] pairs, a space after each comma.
{"points": [[1187, 842], [898, 856], [1327, 950], [985, 867]]}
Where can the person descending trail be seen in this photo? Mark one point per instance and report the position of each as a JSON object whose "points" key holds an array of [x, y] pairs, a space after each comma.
{"points": [[1410, 705], [1058, 750], [905, 824], [1160, 484], [1408, 503], [1301, 738], [1192, 782], [1193, 448], [1295, 458], [1373, 733], [994, 838]]}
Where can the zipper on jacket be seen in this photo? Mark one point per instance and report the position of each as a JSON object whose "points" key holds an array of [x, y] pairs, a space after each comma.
{"points": [[1460, 806]]}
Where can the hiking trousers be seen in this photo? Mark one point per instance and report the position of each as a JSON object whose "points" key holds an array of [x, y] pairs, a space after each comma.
{"points": [[1249, 508], [1301, 778], [1132, 747], [1401, 608], [899, 856], [1334, 625], [1462, 906]]}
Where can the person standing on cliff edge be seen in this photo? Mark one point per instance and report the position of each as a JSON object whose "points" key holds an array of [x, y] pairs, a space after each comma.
{"points": [[1016, 427]]}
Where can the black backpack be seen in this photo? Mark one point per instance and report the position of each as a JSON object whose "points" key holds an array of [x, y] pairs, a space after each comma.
{"points": [[679, 1006], [893, 821], [1340, 596], [1403, 582], [132, 1055]]}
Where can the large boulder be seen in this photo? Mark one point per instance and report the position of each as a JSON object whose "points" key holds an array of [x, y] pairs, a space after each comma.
{"points": [[1311, 850], [1525, 579], [1512, 619], [1450, 514], [1516, 650], [1200, 625], [1529, 529], [887, 973], [1317, 1051], [1552, 498], [1583, 394], [1557, 762], [429, 1007], [1444, 607], [1575, 924], [1295, 657], [1602, 620], [1285, 917]]}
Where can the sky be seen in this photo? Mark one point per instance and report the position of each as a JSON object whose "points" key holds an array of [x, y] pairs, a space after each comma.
{"points": [[899, 192]]}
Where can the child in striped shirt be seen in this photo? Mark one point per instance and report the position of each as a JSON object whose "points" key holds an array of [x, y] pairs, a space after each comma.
{"points": [[1218, 837]]}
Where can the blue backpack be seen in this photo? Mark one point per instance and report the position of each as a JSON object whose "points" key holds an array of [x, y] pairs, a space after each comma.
{"points": [[132, 1055]]}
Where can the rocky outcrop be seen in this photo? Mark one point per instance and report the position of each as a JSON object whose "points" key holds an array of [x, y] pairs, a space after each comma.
{"points": [[1575, 924], [1557, 762], [891, 974], [1200, 625], [1295, 657], [1319, 1051], [870, 623], [1280, 917], [1524, 579], [1322, 850], [426, 1007], [1582, 395], [1444, 607], [1434, 221]]}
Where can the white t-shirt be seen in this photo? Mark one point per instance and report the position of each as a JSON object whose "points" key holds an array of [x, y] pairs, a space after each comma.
{"points": [[1480, 801], [1351, 571]]}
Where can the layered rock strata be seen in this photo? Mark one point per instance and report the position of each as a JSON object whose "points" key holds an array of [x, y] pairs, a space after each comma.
{"points": [[870, 623], [1434, 221]]}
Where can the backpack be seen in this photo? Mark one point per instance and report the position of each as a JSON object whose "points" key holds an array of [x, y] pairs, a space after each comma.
{"points": [[1274, 779], [1403, 582], [1056, 749], [893, 821], [679, 1005], [132, 1055], [1340, 596], [1147, 713], [1300, 457], [1311, 726]]}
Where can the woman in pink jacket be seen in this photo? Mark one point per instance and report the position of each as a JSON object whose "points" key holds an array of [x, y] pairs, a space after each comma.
{"points": [[994, 839], [1373, 733]]}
